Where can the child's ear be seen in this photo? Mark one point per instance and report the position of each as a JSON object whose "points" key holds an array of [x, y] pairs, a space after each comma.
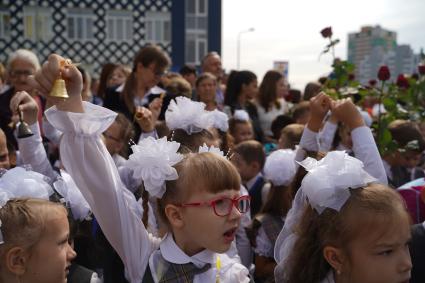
{"points": [[16, 260], [174, 215], [335, 257]]}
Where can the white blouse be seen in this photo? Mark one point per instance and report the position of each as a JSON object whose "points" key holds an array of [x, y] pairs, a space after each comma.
{"points": [[85, 157], [266, 118]]}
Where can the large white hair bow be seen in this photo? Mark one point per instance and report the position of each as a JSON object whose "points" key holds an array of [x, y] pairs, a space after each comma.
{"points": [[328, 180], [191, 116], [152, 161], [241, 115], [21, 183], [326, 185], [280, 167], [219, 120]]}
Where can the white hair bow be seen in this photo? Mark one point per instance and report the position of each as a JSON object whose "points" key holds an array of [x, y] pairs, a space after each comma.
{"points": [[191, 116], [21, 183], [212, 149], [326, 185], [280, 167], [152, 161], [328, 180]]}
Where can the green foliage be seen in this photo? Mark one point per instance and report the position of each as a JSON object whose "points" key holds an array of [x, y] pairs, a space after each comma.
{"points": [[399, 103]]}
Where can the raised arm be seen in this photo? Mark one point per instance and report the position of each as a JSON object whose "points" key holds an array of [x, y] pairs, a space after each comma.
{"points": [[319, 106], [364, 146], [31, 148], [86, 159]]}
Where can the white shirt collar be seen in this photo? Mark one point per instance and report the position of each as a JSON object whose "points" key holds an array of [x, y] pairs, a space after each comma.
{"points": [[120, 88], [251, 182], [172, 253]]}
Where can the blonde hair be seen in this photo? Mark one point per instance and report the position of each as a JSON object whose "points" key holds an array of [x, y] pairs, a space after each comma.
{"points": [[383, 206], [293, 133], [202, 172], [24, 222]]}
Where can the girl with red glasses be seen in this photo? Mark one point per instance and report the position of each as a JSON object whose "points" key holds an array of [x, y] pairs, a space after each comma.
{"points": [[198, 194]]}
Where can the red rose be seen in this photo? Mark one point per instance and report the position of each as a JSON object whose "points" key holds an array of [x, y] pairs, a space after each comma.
{"points": [[384, 73], [421, 69], [326, 32], [351, 77], [372, 83], [402, 82]]}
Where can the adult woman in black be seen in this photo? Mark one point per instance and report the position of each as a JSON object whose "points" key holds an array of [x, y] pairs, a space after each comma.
{"points": [[241, 90], [149, 65]]}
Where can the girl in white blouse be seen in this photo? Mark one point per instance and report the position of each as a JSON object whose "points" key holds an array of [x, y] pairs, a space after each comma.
{"points": [[200, 201]]}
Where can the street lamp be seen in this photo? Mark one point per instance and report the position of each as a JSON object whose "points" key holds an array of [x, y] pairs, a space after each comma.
{"points": [[238, 55]]}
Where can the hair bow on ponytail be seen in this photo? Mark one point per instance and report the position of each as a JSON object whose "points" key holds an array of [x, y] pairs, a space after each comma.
{"points": [[152, 161]]}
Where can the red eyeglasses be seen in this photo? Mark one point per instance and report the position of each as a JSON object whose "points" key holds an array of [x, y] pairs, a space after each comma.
{"points": [[223, 206]]}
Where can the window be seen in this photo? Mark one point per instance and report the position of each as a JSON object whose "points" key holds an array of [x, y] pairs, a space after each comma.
{"points": [[196, 14], [119, 25], [37, 23], [4, 24], [196, 30], [158, 27], [80, 24], [196, 49]]}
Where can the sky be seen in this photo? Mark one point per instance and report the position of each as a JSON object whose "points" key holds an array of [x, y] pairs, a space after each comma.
{"points": [[289, 30]]}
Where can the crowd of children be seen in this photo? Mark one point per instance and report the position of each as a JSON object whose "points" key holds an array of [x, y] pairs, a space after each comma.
{"points": [[225, 182]]}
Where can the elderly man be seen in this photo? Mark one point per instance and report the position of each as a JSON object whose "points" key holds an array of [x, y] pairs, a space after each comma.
{"points": [[22, 64], [212, 63]]}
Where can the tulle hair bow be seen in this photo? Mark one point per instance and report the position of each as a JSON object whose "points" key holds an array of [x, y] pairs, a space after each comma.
{"points": [[280, 167], [212, 149], [326, 185], [22, 183], [219, 120], [191, 116], [152, 161], [241, 115], [328, 180]]}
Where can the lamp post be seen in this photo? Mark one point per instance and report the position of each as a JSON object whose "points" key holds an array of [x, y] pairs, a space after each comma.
{"points": [[238, 52]]}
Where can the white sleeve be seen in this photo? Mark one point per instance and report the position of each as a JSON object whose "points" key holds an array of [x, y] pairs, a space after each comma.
{"points": [[50, 132], [32, 152], [326, 136], [126, 175], [364, 148], [309, 140], [86, 159]]}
